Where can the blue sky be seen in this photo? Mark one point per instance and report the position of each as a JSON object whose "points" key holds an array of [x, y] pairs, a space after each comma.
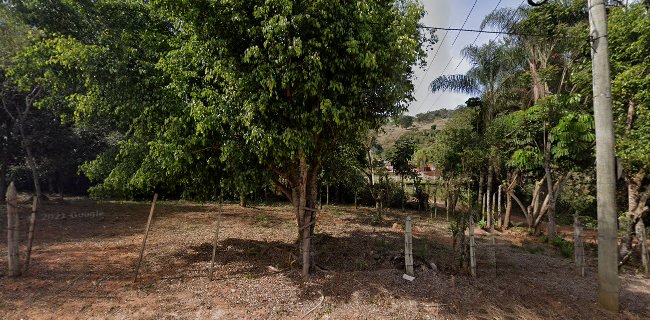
{"points": [[450, 13]]}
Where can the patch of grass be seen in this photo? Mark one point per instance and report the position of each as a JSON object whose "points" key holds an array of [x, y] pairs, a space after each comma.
{"points": [[534, 250], [361, 264], [544, 238], [375, 220], [557, 241], [262, 217], [566, 247], [382, 244], [250, 276], [421, 249]]}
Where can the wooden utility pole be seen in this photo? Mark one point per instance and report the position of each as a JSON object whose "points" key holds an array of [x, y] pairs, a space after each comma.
{"points": [[608, 282], [12, 231]]}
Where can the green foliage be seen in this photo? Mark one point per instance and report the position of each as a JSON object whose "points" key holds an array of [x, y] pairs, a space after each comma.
{"points": [[566, 247], [535, 250], [401, 156], [197, 93], [405, 121], [375, 220], [432, 115], [262, 218], [361, 264], [589, 222], [579, 195]]}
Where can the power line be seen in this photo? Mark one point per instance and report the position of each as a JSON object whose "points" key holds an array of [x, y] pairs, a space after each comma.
{"points": [[499, 33], [457, 35], [479, 34], [431, 61], [464, 22]]}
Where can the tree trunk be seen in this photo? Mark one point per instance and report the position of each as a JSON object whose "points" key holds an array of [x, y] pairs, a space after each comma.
{"points": [[509, 191], [633, 188], [481, 183], [403, 193], [490, 175], [327, 194], [641, 235], [435, 201], [551, 229], [242, 199], [3, 176], [506, 219], [31, 161], [498, 204], [305, 204], [493, 213]]}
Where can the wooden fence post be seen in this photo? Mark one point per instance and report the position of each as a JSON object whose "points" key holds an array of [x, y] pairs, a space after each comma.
{"points": [[578, 245], [472, 247], [408, 247], [216, 236], [30, 235], [13, 254], [146, 233]]}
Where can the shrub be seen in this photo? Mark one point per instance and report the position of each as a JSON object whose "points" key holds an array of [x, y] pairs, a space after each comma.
{"points": [[589, 222]]}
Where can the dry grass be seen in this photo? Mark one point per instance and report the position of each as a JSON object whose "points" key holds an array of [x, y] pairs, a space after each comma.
{"points": [[83, 268]]}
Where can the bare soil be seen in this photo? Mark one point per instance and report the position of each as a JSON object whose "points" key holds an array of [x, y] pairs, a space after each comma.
{"points": [[85, 255]]}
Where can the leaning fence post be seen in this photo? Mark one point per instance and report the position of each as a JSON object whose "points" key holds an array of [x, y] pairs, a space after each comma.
{"points": [[408, 247], [146, 233], [12, 231], [30, 235]]}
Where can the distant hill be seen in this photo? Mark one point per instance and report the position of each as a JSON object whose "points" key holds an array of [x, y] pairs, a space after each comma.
{"points": [[391, 132]]}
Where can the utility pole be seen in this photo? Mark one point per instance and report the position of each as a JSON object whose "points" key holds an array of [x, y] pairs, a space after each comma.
{"points": [[608, 282]]}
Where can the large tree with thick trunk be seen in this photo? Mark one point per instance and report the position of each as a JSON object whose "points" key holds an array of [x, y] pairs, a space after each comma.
{"points": [[191, 87], [294, 78]]}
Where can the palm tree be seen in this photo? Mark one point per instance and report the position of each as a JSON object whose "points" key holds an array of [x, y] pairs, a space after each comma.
{"points": [[493, 69], [541, 34]]}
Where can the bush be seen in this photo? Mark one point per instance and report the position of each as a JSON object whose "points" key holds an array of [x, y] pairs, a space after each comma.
{"points": [[589, 222], [566, 247]]}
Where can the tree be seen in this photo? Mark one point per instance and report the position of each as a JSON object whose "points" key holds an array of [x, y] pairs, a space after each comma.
{"points": [[494, 66], [548, 60], [257, 75], [630, 85], [400, 159], [405, 121]]}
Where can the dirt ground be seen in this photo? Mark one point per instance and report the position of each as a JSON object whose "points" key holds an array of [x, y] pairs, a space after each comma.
{"points": [[85, 255]]}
